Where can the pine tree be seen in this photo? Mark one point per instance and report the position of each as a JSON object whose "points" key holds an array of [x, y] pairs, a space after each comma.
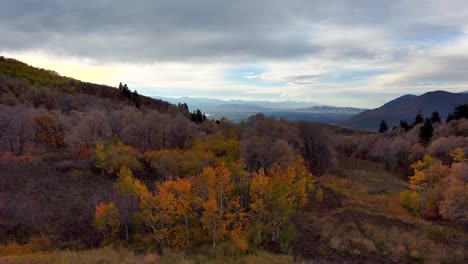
{"points": [[405, 126], [383, 127], [461, 111], [450, 117], [426, 132], [435, 117], [418, 119]]}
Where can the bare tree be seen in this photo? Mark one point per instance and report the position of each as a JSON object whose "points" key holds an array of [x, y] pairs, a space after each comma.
{"points": [[318, 148]]}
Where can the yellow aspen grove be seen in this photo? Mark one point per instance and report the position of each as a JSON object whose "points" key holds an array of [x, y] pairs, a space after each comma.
{"points": [[260, 193], [215, 191], [110, 158], [101, 162], [427, 184], [107, 220], [418, 182], [175, 201], [130, 189], [276, 197], [458, 155]]}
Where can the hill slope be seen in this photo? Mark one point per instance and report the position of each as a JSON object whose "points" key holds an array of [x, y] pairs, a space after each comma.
{"points": [[51, 80], [405, 108]]}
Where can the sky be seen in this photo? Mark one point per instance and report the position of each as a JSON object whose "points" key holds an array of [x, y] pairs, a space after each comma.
{"points": [[337, 52]]}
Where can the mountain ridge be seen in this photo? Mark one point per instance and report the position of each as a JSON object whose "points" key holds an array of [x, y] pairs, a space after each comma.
{"points": [[405, 108]]}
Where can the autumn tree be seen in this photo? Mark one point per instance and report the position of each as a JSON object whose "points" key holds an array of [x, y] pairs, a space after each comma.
{"points": [[169, 163], [260, 193], [107, 220], [130, 190], [174, 209], [222, 215], [215, 195], [184, 208], [453, 205], [275, 198], [49, 132], [111, 157], [418, 181], [426, 184]]}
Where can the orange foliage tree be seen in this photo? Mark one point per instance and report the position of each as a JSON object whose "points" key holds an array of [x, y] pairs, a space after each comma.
{"points": [[168, 211], [107, 220], [49, 132], [222, 214]]}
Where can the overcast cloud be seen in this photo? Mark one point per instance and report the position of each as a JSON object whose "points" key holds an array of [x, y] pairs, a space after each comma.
{"points": [[348, 53]]}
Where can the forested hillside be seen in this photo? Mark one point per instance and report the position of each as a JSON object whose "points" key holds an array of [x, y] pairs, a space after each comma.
{"points": [[52, 87], [97, 174]]}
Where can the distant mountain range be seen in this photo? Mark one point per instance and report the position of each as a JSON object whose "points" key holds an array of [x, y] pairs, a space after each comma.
{"points": [[402, 108], [405, 108], [207, 104], [236, 110]]}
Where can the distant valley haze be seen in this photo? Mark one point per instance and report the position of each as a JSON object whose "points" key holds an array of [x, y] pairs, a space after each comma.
{"points": [[402, 108]]}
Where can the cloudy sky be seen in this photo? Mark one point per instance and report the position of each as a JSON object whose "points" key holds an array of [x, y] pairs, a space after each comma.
{"points": [[339, 52]]}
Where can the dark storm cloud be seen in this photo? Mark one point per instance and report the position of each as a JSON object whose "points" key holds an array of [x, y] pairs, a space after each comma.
{"points": [[337, 32], [152, 30], [176, 30]]}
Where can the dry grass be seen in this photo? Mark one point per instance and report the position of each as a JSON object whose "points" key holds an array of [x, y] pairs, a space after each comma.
{"points": [[371, 223], [124, 256]]}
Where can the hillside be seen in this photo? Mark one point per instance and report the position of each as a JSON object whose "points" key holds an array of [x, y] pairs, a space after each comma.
{"points": [[42, 78], [405, 108]]}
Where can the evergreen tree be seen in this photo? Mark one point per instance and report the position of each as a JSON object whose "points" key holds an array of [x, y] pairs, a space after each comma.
{"points": [[383, 127], [461, 111], [197, 116], [426, 132], [435, 117], [418, 119], [450, 117], [134, 96], [405, 126]]}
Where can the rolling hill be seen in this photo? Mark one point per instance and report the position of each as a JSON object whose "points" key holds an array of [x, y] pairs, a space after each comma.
{"points": [[12, 70], [405, 108]]}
